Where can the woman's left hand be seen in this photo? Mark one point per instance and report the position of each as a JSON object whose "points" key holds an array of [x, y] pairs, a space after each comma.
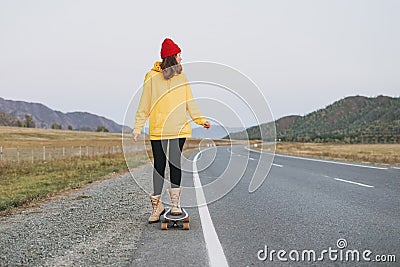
{"points": [[135, 136], [207, 125]]}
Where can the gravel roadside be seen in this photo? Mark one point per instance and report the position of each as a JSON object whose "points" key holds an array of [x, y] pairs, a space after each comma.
{"points": [[99, 224]]}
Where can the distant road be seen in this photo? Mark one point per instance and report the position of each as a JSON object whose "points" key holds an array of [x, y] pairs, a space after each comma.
{"points": [[303, 205]]}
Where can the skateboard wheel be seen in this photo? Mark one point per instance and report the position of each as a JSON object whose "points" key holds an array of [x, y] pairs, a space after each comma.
{"points": [[186, 219], [164, 226], [186, 226]]}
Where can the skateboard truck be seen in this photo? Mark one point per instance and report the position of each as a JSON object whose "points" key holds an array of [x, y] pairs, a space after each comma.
{"points": [[176, 220]]}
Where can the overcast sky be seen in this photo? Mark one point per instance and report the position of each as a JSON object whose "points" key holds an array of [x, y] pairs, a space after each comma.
{"points": [[92, 55]]}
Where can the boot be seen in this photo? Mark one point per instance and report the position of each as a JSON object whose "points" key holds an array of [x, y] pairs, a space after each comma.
{"points": [[158, 208], [175, 194]]}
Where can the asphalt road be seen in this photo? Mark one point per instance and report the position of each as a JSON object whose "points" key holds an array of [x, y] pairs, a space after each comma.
{"points": [[303, 206]]}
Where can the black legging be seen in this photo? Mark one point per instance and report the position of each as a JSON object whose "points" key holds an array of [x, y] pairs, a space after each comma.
{"points": [[159, 148]]}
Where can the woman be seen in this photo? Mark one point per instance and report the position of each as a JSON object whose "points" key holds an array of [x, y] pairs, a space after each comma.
{"points": [[166, 99]]}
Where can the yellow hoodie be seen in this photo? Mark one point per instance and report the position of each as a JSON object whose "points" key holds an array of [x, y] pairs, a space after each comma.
{"points": [[167, 103]]}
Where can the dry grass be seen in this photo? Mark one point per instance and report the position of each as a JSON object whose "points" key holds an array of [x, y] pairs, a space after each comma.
{"points": [[364, 153], [11, 137], [24, 182]]}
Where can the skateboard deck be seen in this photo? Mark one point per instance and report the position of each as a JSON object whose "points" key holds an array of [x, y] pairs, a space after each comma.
{"points": [[168, 220]]}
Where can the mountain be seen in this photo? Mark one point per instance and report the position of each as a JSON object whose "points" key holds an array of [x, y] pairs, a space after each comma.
{"points": [[354, 119], [45, 117]]}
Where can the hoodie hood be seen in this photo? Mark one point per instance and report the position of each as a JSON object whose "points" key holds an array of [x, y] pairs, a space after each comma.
{"points": [[157, 66]]}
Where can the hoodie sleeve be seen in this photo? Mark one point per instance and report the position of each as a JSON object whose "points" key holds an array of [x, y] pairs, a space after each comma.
{"points": [[143, 111], [192, 107]]}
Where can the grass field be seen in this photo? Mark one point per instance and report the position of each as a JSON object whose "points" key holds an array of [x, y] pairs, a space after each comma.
{"points": [[22, 182], [364, 153], [11, 137]]}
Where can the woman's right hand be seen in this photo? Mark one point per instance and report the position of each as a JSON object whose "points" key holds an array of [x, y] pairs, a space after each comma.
{"points": [[207, 125], [135, 136]]}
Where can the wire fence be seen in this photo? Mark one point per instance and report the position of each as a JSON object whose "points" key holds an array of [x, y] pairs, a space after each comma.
{"points": [[49, 153]]}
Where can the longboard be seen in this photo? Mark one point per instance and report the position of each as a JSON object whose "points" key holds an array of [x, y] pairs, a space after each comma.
{"points": [[168, 220]]}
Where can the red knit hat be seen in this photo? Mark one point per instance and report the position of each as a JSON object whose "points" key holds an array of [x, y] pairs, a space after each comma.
{"points": [[169, 48]]}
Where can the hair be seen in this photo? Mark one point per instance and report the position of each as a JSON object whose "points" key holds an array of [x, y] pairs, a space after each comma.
{"points": [[170, 67]]}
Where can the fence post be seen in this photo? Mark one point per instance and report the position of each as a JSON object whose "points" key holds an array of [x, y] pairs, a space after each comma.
{"points": [[1, 153], [63, 153], [32, 155], [80, 151], [18, 155], [87, 151], [44, 153]]}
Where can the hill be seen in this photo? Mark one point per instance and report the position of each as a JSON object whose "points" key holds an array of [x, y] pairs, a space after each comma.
{"points": [[44, 117], [355, 119]]}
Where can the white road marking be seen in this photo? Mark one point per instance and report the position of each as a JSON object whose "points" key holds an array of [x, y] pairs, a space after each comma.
{"points": [[333, 162], [397, 168], [347, 181], [249, 149], [216, 255], [351, 182], [277, 165]]}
